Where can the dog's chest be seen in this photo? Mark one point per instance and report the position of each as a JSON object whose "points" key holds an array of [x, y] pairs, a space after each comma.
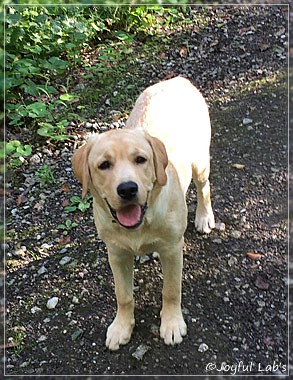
{"points": [[138, 244]]}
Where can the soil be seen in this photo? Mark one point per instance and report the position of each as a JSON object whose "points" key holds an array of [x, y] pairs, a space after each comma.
{"points": [[235, 280]]}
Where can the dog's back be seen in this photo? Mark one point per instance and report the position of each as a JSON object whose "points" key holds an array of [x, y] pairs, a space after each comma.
{"points": [[175, 112]]}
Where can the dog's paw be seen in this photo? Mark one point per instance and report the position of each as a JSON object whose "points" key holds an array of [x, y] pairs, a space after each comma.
{"points": [[204, 223], [173, 330], [119, 333]]}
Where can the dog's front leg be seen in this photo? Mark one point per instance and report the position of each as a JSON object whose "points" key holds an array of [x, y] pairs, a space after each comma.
{"points": [[173, 327], [119, 332]]}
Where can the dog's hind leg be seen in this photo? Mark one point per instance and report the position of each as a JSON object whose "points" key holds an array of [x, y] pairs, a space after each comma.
{"points": [[204, 218]]}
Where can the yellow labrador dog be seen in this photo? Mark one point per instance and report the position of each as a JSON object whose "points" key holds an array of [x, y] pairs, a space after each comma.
{"points": [[138, 177]]}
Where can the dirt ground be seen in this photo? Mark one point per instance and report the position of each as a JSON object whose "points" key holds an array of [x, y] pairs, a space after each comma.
{"points": [[235, 280]]}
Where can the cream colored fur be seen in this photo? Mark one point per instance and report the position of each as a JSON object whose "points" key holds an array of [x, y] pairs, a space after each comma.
{"points": [[170, 128]]}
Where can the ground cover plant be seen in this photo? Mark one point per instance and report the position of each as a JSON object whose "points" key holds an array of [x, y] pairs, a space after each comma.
{"points": [[72, 71]]}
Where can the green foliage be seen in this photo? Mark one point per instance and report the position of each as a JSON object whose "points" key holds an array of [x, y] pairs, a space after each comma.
{"points": [[54, 132], [67, 226], [44, 44], [17, 339], [16, 153], [78, 204], [45, 175]]}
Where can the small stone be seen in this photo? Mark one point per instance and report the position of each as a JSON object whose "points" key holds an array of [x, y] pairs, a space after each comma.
{"points": [[52, 302], [42, 338], [65, 260], [232, 261], [35, 159], [35, 309], [261, 303], [220, 226], [115, 124], [203, 347], [42, 270], [24, 364], [144, 259], [14, 212], [75, 300], [236, 234], [246, 121], [217, 241], [140, 351], [76, 335], [20, 252], [46, 246], [261, 283]]}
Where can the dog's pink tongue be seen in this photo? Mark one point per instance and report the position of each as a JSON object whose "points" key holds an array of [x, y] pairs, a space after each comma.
{"points": [[129, 216]]}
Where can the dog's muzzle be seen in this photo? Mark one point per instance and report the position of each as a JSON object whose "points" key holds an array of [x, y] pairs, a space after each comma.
{"points": [[130, 216]]}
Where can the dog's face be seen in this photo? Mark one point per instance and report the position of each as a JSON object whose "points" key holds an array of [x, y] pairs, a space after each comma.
{"points": [[122, 167]]}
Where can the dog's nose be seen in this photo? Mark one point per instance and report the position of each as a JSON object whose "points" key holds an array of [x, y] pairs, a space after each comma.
{"points": [[127, 190]]}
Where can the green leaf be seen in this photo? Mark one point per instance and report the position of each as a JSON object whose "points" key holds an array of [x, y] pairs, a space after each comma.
{"points": [[75, 199], [83, 206], [46, 129], [12, 146], [68, 97], [70, 208], [37, 110], [25, 150], [68, 223]]}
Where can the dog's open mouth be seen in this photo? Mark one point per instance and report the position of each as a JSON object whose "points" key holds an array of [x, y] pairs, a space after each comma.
{"points": [[130, 216]]}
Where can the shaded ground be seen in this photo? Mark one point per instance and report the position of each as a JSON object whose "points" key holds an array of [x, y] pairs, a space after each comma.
{"points": [[235, 306]]}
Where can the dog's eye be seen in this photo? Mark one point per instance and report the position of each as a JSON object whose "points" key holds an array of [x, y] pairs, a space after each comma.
{"points": [[140, 160], [105, 165]]}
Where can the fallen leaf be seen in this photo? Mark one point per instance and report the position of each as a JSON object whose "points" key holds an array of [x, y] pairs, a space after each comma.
{"points": [[261, 283], [214, 43], [246, 31], [21, 199], [169, 74], [183, 52], [65, 187], [38, 206], [81, 134], [263, 47], [7, 345], [280, 32], [63, 240], [238, 166], [268, 341], [65, 203], [254, 256]]}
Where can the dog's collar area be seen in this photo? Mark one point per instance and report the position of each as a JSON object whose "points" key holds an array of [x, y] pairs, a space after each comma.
{"points": [[113, 212]]}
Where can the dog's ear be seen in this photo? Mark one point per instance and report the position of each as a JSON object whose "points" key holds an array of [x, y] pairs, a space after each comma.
{"points": [[80, 167], [160, 159]]}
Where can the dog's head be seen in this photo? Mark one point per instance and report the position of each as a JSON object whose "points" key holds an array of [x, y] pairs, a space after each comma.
{"points": [[121, 167]]}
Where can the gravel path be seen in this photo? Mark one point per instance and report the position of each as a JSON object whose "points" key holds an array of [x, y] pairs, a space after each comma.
{"points": [[235, 283]]}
